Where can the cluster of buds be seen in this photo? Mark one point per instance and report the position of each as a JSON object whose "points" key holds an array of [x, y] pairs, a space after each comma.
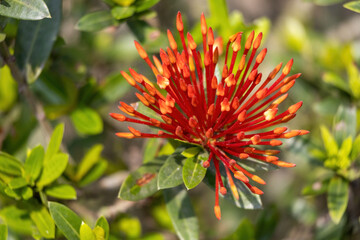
{"points": [[224, 114]]}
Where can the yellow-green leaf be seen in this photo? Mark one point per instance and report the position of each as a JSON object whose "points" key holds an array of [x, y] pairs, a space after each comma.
{"points": [[86, 232], [337, 199]]}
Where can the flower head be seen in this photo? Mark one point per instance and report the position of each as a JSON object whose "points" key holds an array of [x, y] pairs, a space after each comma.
{"points": [[229, 115]]}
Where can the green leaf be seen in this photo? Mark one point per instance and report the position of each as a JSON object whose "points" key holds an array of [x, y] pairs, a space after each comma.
{"points": [[193, 172], [89, 160], [62, 191], [354, 79], [353, 6], [325, 2], [35, 39], [103, 223], [170, 174], [266, 223], [142, 5], [336, 80], [122, 12], [344, 123], [27, 193], [124, 2], [141, 183], [34, 163], [16, 183], [130, 227], [191, 152], [220, 16], [18, 220], [152, 148], [355, 149], [337, 199], [245, 230], [181, 213], [344, 152], [53, 169], [8, 89], [55, 142], [87, 121], [10, 165], [86, 232], [3, 232], [2, 37], [96, 21], [24, 9], [99, 233], [330, 144], [95, 172], [43, 221], [66, 220]]}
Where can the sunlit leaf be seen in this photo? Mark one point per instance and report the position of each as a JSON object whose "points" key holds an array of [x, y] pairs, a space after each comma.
{"points": [[89, 160], [191, 152], [18, 220], [122, 12], [43, 221], [34, 163], [25, 9], [53, 169], [86, 232], [55, 142], [61, 191], [95, 173], [87, 121], [3, 232], [103, 223], [329, 141], [353, 6], [8, 89]]}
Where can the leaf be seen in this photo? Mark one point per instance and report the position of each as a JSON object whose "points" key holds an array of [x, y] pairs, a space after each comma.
{"points": [[337, 199], [122, 12], [35, 39], [219, 13], [34, 163], [336, 80], [24, 9], [170, 174], [87, 121], [152, 148], [245, 230], [3, 232], [325, 2], [99, 233], [53, 169], [62, 191], [141, 183], [89, 160], [353, 6], [103, 223], [95, 172], [143, 5], [86, 232], [8, 89], [96, 21], [18, 220], [66, 220], [354, 78], [330, 144], [344, 123], [181, 213], [191, 152], [355, 149], [10, 165], [266, 223], [193, 172], [43, 221], [16, 183], [55, 142]]}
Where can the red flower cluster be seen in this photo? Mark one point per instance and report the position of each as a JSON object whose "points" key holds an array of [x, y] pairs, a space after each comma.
{"points": [[226, 115]]}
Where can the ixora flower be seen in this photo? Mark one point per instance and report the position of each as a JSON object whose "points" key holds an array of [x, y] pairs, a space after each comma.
{"points": [[231, 115]]}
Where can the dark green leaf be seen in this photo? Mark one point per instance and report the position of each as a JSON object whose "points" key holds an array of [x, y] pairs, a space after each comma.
{"points": [[43, 222], [96, 21], [34, 163], [170, 174], [62, 191], [18, 220], [35, 39], [353, 6], [53, 169], [89, 160], [3, 232], [87, 121], [337, 199], [55, 142], [245, 230], [252, 164], [95, 172], [86, 232], [142, 5], [181, 213], [24, 9], [66, 220], [122, 12], [151, 149], [266, 223], [142, 183], [10, 165], [193, 172], [103, 223]]}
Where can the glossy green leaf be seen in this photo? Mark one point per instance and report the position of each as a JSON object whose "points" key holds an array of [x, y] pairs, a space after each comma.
{"points": [[245, 230], [24, 9], [142, 183], [95, 173], [53, 169], [170, 174], [191, 152], [35, 39], [89, 160], [193, 172], [16, 183], [61, 191], [66, 220], [34, 163], [337, 199], [10, 165], [122, 12], [142, 5], [3, 232], [353, 6], [43, 221], [329, 141], [103, 223], [96, 21], [18, 220], [87, 121], [86, 232], [55, 142], [8, 89], [181, 213]]}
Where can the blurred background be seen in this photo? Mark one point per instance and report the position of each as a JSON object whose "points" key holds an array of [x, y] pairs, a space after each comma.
{"points": [[322, 36]]}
